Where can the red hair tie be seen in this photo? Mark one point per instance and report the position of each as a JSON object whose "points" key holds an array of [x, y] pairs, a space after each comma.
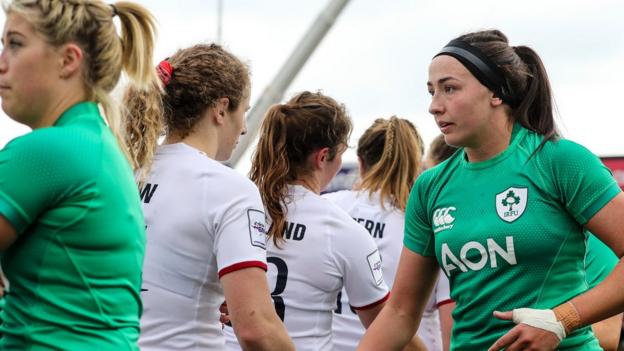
{"points": [[165, 71]]}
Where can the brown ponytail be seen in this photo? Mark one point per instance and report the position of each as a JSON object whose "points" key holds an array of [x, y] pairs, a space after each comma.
{"points": [[289, 134]]}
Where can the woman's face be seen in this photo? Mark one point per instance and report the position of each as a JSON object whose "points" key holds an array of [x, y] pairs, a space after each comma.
{"points": [[460, 104], [29, 71], [332, 166], [234, 126]]}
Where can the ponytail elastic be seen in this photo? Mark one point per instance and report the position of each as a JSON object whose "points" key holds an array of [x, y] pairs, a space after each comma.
{"points": [[481, 67], [165, 71]]}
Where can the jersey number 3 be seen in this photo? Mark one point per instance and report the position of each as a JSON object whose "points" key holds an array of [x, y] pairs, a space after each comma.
{"points": [[280, 285]]}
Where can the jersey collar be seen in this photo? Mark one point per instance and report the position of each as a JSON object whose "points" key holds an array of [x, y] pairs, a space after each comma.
{"points": [[517, 134], [86, 108]]}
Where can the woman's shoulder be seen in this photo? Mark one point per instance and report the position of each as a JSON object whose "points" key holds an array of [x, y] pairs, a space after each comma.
{"points": [[565, 154], [229, 180], [338, 220], [44, 140], [561, 147], [342, 198], [54, 148], [195, 164]]}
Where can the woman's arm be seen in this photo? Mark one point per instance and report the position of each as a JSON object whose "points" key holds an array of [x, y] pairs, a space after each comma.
{"points": [[446, 323], [367, 316], [398, 321], [601, 302], [608, 332], [252, 313], [7, 233]]}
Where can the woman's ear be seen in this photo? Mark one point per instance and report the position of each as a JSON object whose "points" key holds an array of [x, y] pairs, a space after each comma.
{"points": [[320, 157], [361, 167], [71, 61], [495, 100], [221, 108]]}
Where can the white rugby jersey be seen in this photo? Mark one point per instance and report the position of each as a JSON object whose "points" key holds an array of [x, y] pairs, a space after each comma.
{"points": [[324, 250], [203, 220], [385, 226]]}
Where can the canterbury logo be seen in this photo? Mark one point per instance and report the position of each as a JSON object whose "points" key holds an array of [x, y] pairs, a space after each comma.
{"points": [[443, 219]]}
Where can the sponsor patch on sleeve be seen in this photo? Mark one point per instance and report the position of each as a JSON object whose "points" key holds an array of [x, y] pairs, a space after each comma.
{"points": [[374, 263], [257, 228]]}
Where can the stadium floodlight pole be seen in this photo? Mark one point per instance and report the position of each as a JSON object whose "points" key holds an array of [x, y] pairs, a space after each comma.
{"points": [[274, 92], [219, 21]]}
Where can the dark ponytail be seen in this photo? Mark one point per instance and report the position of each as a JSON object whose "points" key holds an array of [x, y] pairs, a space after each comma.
{"points": [[526, 78], [535, 111]]}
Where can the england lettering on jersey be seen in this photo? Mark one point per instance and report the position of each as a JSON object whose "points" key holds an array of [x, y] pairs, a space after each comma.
{"points": [[385, 226], [324, 249], [375, 229], [203, 220], [147, 192]]}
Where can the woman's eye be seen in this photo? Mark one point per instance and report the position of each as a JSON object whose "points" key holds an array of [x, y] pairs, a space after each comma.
{"points": [[14, 43]]}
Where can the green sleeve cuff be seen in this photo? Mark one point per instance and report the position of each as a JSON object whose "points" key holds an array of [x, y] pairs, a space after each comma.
{"points": [[12, 214], [600, 202], [424, 250]]}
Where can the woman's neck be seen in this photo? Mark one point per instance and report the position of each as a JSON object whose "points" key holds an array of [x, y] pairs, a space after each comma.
{"points": [[55, 110], [202, 139], [311, 183], [492, 142]]}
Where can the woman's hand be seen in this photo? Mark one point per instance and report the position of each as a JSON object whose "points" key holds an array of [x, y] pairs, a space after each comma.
{"points": [[537, 330]]}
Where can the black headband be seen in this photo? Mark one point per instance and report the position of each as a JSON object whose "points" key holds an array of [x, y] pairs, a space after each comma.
{"points": [[481, 67]]}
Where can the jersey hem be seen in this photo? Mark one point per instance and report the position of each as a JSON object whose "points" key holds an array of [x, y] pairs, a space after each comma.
{"points": [[242, 265], [445, 302], [382, 300]]}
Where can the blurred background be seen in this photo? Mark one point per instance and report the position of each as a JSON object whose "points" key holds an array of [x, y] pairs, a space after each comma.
{"points": [[375, 57]]}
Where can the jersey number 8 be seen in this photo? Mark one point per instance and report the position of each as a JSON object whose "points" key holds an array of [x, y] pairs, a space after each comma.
{"points": [[280, 285]]}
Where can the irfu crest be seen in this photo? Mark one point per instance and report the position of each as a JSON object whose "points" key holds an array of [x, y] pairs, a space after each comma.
{"points": [[511, 203]]}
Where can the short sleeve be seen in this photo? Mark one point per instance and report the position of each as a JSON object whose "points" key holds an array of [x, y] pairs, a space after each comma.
{"points": [[583, 182], [599, 261], [360, 263], [418, 233], [36, 172], [241, 235]]}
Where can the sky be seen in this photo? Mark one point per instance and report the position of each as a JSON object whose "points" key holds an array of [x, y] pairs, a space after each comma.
{"points": [[376, 56]]}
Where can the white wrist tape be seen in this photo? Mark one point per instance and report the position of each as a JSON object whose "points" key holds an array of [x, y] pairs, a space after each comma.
{"points": [[543, 319]]}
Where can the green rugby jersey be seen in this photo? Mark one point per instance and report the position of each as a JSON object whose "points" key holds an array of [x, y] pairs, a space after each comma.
{"points": [[75, 268], [508, 231]]}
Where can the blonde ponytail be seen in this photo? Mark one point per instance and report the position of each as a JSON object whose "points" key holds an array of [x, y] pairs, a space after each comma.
{"points": [[391, 151], [90, 25]]}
